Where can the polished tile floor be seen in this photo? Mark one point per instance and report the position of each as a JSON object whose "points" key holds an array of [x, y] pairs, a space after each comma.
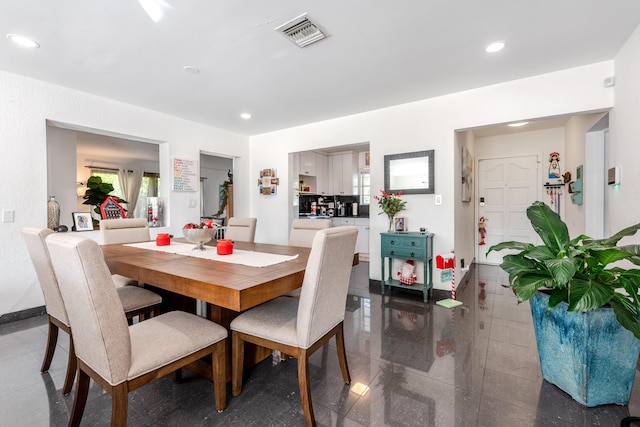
{"points": [[424, 365]]}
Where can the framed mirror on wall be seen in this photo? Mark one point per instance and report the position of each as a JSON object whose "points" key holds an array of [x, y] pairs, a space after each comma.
{"points": [[411, 173]]}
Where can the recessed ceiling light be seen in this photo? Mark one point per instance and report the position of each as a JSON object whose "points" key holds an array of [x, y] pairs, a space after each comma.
{"points": [[518, 124], [495, 47], [191, 69], [23, 41], [245, 116]]}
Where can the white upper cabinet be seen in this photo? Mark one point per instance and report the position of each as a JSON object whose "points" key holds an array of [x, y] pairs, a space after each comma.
{"points": [[308, 163], [343, 174], [322, 174]]}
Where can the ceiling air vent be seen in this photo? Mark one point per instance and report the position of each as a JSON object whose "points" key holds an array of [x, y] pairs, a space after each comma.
{"points": [[302, 31]]}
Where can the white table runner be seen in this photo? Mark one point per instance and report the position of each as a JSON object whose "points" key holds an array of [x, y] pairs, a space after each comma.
{"points": [[248, 258]]}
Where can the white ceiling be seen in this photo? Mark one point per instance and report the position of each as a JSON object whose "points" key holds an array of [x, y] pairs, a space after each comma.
{"points": [[379, 53]]}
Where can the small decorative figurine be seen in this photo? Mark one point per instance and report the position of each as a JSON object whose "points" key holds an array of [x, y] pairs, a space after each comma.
{"points": [[482, 230], [554, 165]]}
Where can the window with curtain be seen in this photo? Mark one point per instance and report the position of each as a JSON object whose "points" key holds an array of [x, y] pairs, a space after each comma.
{"points": [[365, 190], [149, 188]]}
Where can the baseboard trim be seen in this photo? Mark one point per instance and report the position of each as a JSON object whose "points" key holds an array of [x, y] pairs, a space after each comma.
{"points": [[22, 314]]}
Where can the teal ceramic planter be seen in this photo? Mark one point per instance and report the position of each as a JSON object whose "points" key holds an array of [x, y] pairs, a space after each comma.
{"points": [[587, 355]]}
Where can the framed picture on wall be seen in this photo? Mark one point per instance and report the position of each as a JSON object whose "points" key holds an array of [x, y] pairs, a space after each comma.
{"points": [[82, 221], [467, 175]]}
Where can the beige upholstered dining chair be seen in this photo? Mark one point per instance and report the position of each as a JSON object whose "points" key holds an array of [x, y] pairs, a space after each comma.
{"points": [[302, 233], [241, 229], [118, 357], [124, 230], [304, 230], [298, 327], [135, 301]]}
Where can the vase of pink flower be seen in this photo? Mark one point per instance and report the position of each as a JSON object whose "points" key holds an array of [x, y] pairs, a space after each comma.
{"points": [[390, 204]]}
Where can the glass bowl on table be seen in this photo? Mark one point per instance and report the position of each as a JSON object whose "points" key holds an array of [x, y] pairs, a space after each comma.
{"points": [[198, 236]]}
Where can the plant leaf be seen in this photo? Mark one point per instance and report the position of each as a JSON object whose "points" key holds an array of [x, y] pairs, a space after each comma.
{"points": [[587, 294], [562, 270], [557, 296], [517, 265], [541, 253], [518, 246], [613, 240], [632, 249], [527, 285], [627, 314], [609, 255], [549, 226]]}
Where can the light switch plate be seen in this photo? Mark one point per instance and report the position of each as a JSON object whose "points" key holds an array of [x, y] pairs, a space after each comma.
{"points": [[8, 216], [438, 199]]}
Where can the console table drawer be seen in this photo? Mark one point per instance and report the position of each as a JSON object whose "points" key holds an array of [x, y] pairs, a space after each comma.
{"points": [[403, 241], [404, 252]]}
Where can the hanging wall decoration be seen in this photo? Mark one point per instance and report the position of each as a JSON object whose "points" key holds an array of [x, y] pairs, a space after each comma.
{"points": [[268, 182], [554, 168], [467, 175], [185, 175]]}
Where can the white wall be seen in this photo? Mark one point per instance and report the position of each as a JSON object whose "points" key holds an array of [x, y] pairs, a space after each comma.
{"points": [[466, 221], [624, 137], [26, 105], [61, 172], [423, 125], [575, 155]]}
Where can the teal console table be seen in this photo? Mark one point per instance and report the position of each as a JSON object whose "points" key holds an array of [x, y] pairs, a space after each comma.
{"points": [[407, 246]]}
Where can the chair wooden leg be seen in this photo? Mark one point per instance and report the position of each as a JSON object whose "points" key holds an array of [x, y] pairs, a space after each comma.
{"points": [[237, 362], [305, 387], [52, 340], [342, 355], [72, 366], [176, 376], [119, 405], [219, 375], [80, 399], [155, 311]]}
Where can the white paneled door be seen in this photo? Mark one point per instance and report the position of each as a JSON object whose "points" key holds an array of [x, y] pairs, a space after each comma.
{"points": [[506, 188]]}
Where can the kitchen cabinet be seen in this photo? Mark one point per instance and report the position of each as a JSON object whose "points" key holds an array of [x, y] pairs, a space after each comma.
{"points": [[322, 174], [362, 241], [307, 163], [407, 246], [313, 170], [343, 170]]}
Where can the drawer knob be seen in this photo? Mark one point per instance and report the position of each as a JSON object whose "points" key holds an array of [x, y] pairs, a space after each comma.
{"points": [[413, 243], [413, 255], [393, 252], [392, 242]]}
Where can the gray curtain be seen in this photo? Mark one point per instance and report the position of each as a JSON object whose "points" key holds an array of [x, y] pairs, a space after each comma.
{"points": [[130, 183]]}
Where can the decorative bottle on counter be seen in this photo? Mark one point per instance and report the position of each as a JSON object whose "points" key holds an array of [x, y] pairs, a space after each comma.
{"points": [[53, 213]]}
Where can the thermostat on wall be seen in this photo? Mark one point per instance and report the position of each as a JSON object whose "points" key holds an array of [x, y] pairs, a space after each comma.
{"points": [[613, 177]]}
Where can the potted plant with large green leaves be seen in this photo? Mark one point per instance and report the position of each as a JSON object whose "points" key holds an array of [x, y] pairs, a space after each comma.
{"points": [[585, 306], [97, 192]]}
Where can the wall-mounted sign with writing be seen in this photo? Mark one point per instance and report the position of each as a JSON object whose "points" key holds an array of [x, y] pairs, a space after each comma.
{"points": [[185, 175]]}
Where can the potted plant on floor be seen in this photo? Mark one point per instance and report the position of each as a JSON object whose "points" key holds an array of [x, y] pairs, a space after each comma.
{"points": [[586, 312]]}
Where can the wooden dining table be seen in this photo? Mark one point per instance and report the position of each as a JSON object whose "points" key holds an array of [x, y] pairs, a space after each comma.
{"points": [[233, 287], [228, 289]]}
